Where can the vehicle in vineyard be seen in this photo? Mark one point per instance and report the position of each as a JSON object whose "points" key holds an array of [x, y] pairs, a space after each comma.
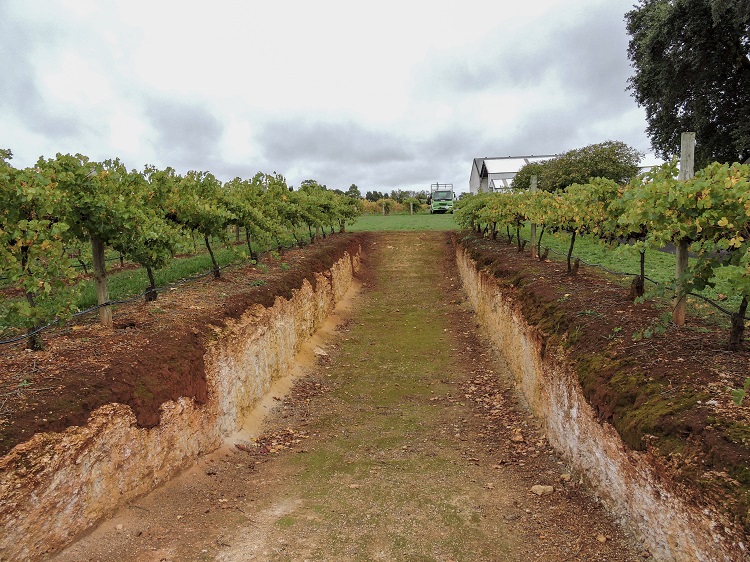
{"points": [[441, 198]]}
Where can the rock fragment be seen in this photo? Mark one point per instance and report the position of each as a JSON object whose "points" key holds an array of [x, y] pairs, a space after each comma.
{"points": [[541, 490]]}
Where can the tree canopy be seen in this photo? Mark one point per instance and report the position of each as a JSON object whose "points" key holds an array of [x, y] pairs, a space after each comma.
{"points": [[353, 191], [613, 160], [692, 73]]}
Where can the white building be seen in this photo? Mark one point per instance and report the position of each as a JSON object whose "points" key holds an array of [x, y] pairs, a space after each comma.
{"points": [[495, 174]]}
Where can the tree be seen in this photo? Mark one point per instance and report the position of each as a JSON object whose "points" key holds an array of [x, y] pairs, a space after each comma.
{"points": [[612, 160], [414, 204], [500, 209], [522, 179], [725, 236], [154, 242], [145, 235], [423, 195], [281, 204], [537, 208], [354, 192], [347, 210], [692, 73], [316, 206], [385, 205], [469, 208], [311, 184], [399, 195]]}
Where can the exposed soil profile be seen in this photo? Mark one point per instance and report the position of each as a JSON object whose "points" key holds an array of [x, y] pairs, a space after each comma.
{"points": [[323, 482], [405, 440], [670, 394], [154, 353]]}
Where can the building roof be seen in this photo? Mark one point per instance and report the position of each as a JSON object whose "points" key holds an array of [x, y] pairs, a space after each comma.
{"points": [[508, 166], [477, 165], [501, 169]]}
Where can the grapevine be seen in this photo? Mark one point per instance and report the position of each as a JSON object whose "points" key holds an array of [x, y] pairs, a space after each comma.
{"points": [[50, 212]]}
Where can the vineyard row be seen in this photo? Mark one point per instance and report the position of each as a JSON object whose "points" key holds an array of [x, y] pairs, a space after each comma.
{"points": [[708, 214], [51, 211]]}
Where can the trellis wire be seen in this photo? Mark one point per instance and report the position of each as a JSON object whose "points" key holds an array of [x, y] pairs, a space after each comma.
{"points": [[669, 287], [118, 302]]}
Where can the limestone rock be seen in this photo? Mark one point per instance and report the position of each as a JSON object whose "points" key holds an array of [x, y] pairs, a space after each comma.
{"points": [[541, 490], [517, 436]]}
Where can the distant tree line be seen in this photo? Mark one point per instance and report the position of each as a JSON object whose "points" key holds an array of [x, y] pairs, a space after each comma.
{"points": [[398, 195]]}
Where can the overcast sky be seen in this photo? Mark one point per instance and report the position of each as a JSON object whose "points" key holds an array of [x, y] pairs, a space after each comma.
{"points": [[386, 95]]}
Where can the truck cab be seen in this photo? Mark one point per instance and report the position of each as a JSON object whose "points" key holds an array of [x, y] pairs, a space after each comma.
{"points": [[442, 199]]}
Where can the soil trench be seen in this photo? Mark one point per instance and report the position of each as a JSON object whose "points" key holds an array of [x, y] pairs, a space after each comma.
{"points": [[402, 439]]}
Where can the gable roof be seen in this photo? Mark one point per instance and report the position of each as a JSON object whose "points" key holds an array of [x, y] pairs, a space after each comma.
{"points": [[511, 164], [477, 165], [500, 169]]}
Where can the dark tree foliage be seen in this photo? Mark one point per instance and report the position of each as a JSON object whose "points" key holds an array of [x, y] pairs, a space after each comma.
{"points": [[311, 184], [354, 192], [613, 160], [692, 73], [522, 179], [398, 195]]}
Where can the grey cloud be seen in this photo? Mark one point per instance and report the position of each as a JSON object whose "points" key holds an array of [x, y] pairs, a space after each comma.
{"points": [[384, 176], [553, 131], [416, 175], [548, 132], [336, 154], [187, 133], [458, 140], [339, 154], [19, 91], [586, 59], [305, 139]]}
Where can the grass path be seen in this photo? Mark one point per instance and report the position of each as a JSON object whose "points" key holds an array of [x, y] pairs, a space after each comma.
{"points": [[405, 442], [389, 481]]}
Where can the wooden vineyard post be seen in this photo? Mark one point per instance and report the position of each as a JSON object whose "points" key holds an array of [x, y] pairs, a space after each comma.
{"points": [[100, 281], [533, 225], [687, 171]]}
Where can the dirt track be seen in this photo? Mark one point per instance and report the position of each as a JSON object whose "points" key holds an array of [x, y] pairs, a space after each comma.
{"points": [[403, 440]]}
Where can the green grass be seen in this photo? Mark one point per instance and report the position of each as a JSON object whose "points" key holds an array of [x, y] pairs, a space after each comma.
{"points": [[133, 282], [130, 283], [660, 266], [123, 285], [404, 222], [384, 430]]}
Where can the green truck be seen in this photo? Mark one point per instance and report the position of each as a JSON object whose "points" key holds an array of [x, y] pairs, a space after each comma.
{"points": [[441, 198]]}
